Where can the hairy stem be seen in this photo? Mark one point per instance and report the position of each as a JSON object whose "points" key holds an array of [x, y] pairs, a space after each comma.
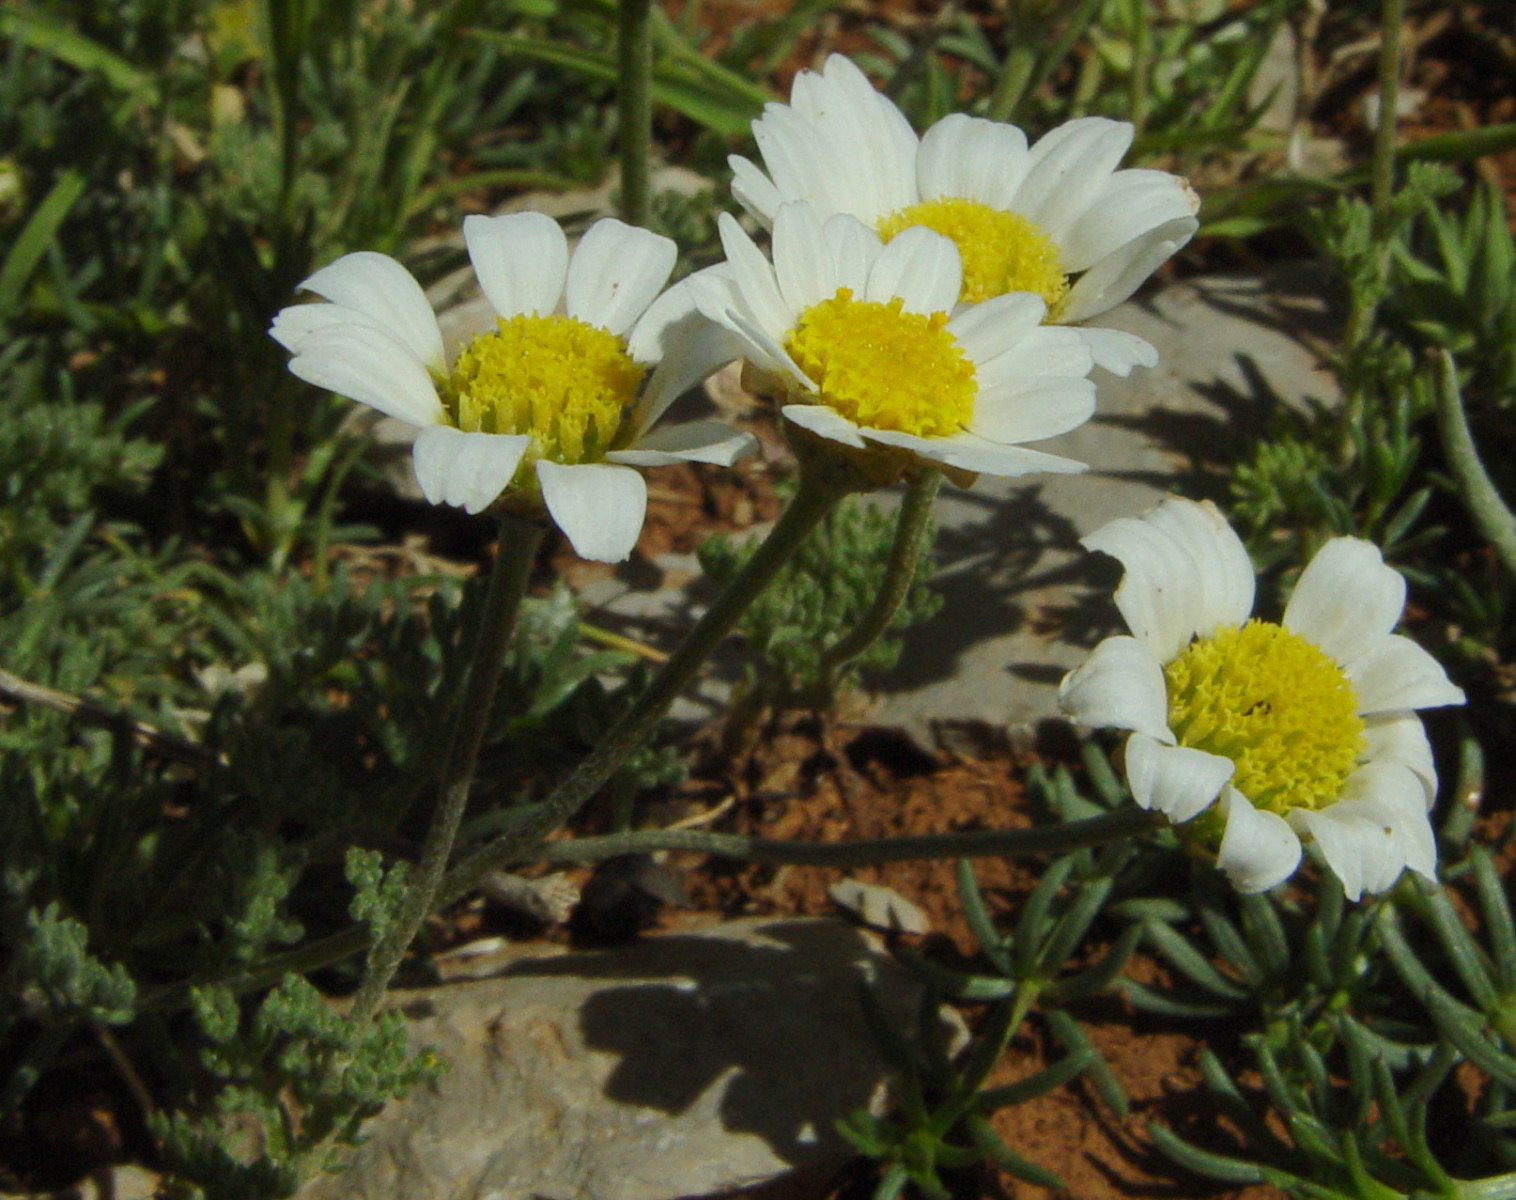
{"points": [[634, 106], [912, 528], [990, 843], [821, 487], [508, 579], [1475, 488]]}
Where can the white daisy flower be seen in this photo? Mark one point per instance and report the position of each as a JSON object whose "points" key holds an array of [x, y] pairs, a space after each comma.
{"points": [[865, 341], [1304, 729], [1056, 218], [555, 402]]}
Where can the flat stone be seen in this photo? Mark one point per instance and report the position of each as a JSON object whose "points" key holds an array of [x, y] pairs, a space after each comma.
{"points": [[688, 1064]]}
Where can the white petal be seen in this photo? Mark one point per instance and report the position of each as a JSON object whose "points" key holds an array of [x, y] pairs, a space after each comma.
{"points": [[824, 422], [1128, 205], [919, 266], [987, 330], [753, 278], [870, 146], [969, 157], [294, 324], [1378, 828], [598, 506], [1048, 350], [803, 263], [1400, 737], [616, 272], [694, 441], [854, 247], [1358, 849], [1066, 170], [1111, 280], [795, 157], [970, 452], [766, 353], [1186, 573], [467, 470], [1117, 351], [1258, 849], [1399, 674], [752, 189], [369, 365], [686, 344], [1178, 781], [387, 294], [1346, 600], [1402, 796], [1032, 410], [521, 261], [1120, 686]]}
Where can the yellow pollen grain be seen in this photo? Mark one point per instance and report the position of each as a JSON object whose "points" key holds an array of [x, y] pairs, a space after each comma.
{"points": [[1001, 251], [884, 368], [1275, 705], [565, 383]]}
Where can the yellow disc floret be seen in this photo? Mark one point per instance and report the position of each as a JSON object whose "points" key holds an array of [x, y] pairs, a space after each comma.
{"points": [[884, 368], [1001, 251], [565, 383], [1275, 705]]}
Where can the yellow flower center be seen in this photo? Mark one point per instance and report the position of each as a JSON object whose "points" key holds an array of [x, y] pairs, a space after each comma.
{"points": [[565, 383], [884, 368], [1275, 705], [1001, 251]]}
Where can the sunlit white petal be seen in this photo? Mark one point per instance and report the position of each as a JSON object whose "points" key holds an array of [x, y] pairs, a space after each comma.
{"points": [[615, 273], [1258, 848], [920, 267], [379, 288], [467, 470], [1397, 674], [825, 422], [1186, 573], [1178, 781], [367, 364], [693, 441], [1347, 600], [599, 506], [521, 261], [1120, 686]]}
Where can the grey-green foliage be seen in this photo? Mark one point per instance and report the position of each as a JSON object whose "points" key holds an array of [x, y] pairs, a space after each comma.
{"points": [[53, 975], [943, 1104], [302, 1073], [1354, 468], [818, 596], [1454, 288], [1350, 1016]]}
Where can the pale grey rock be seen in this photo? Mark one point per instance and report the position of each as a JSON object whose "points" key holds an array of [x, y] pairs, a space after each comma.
{"points": [[684, 1065], [879, 907]]}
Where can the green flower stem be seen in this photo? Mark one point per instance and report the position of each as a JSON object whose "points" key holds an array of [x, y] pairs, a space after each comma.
{"points": [[911, 531], [823, 482], [991, 843], [508, 579], [634, 106], [1381, 181], [1128, 822], [1014, 79], [1493, 1187], [1382, 164], [1475, 487]]}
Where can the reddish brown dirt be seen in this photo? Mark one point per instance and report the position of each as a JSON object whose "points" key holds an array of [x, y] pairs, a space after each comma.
{"points": [[823, 785]]}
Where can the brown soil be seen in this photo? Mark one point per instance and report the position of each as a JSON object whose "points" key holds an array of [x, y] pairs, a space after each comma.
{"points": [[813, 783]]}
